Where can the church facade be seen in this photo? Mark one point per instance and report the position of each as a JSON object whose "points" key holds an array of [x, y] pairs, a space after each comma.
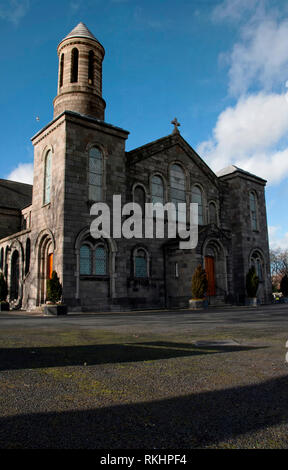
{"points": [[80, 159]]}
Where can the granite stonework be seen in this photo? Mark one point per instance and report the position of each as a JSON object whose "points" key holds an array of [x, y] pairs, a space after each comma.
{"points": [[60, 227]]}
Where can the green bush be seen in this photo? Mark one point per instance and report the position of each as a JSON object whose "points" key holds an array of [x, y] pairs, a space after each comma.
{"points": [[284, 285], [54, 289], [3, 288], [199, 283], [252, 282]]}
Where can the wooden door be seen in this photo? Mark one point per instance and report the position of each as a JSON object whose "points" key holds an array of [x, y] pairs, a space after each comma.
{"points": [[49, 266], [210, 272]]}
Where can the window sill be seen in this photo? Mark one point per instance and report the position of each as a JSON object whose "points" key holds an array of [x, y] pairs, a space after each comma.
{"points": [[93, 277]]}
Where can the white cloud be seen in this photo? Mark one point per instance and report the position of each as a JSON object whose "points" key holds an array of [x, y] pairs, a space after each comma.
{"points": [[14, 10], [234, 10], [248, 136], [23, 173], [260, 58], [276, 239]]}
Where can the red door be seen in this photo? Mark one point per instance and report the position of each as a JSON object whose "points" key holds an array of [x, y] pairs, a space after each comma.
{"points": [[210, 272]]}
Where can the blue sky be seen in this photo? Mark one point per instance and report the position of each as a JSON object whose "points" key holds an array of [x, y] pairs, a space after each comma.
{"points": [[220, 67]]}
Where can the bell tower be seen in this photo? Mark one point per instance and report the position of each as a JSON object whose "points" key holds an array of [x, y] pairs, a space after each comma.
{"points": [[80, 74]]}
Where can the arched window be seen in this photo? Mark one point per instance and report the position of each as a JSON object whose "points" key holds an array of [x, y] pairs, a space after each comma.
{"points": [[61, 75], [197, 198], [74, 65], [47, 177], [140, 263], [91, 67], [212, 213], [27, 256], [95, 174], [177, 189], [93, 259], [100, 261], [157, 190], [253, 211], [257, 262], [85, 260], [139, 196]]}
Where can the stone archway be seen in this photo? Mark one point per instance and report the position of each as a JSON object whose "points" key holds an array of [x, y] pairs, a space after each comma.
{"points": [[45, 255]]}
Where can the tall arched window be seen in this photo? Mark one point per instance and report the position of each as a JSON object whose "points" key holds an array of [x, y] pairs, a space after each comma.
{"points": [[212, 213], [1, 258], [139, 196], [61, 70], [157, 190], [85, 260], [141, 269], [91, 67], [47, 177], [74, 65], [197, 198], [95, 174], [177, 190], [257, 262], [253, 211]]}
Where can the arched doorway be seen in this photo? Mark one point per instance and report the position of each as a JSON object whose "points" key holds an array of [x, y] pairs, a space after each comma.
{"points": [[215, 265], [45, 257], [15, 275]]}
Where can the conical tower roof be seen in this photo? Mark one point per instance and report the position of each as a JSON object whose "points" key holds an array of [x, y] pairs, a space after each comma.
{"points": [[81, 31]]}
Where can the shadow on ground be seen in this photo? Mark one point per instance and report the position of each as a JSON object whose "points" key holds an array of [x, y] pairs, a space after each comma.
{"points": [[32, 358], [196, 420]]}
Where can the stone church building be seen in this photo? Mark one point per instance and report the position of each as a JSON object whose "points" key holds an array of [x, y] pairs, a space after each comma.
{"points": [[79, 159]]}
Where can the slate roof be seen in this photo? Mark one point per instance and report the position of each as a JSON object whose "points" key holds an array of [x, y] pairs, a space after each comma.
{"points": [[14, 195], [228, 170], [81, 31]]}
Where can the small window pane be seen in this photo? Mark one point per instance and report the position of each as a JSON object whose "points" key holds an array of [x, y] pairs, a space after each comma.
{"points": [[100, 261], [95, 174], [157, 190], [85, 260]]}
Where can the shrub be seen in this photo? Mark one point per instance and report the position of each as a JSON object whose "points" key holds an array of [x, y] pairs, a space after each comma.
{"points": [[199, 283], [54, 289], [252, 282], [3, 288], [284, 285]]}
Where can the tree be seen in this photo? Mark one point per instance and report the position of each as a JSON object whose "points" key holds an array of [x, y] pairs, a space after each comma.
{"points": [[199, 283], [284, 285], [54, 289], [3, 288], [279, 266], [252, 282]]}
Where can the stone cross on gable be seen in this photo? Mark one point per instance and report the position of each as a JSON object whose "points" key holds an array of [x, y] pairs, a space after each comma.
{"points": [[176, 125]]}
